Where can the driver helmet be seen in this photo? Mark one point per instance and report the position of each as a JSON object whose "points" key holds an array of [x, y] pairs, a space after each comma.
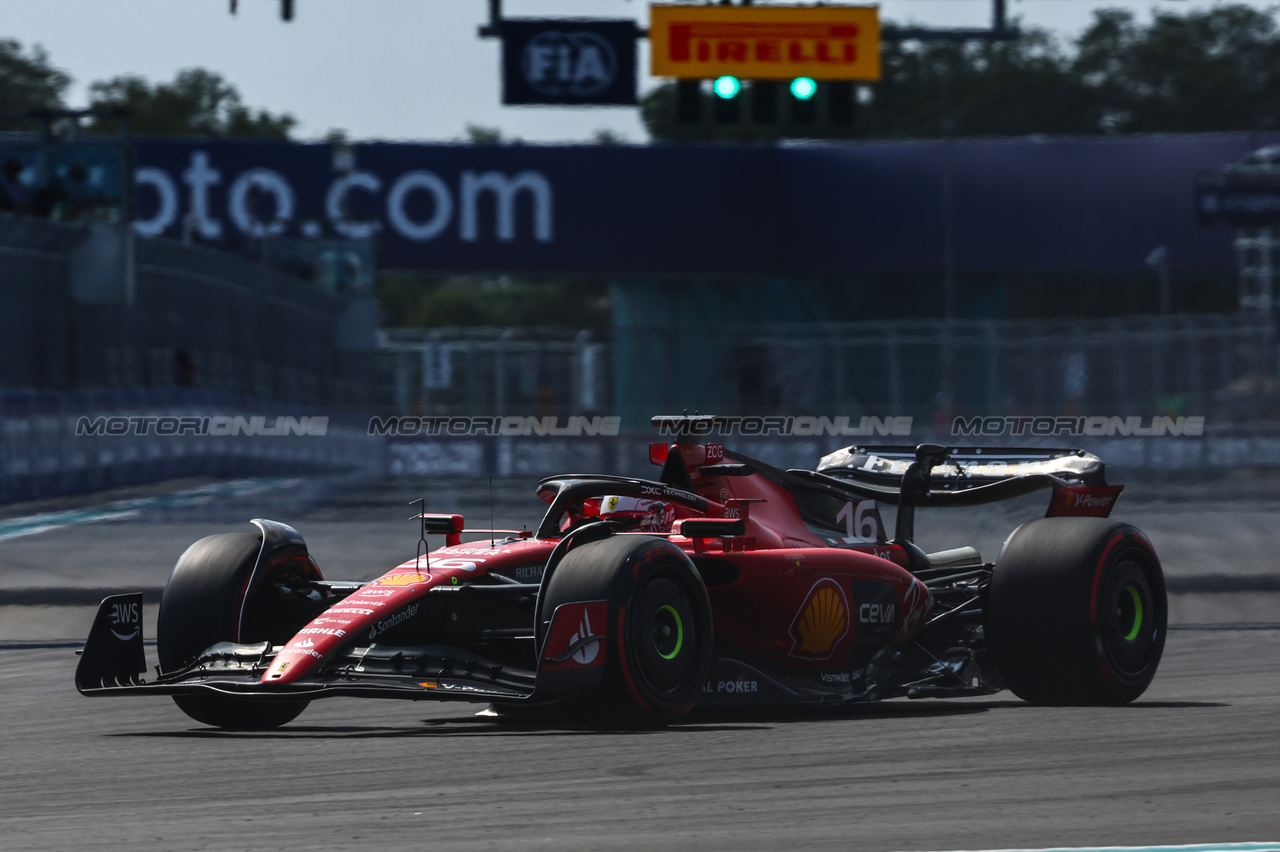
{"points": [[642, 515]]}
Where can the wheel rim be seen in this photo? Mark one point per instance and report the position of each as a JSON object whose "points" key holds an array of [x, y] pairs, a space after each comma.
{"points": [[668, 632], [663, 636], [1132, 626]]}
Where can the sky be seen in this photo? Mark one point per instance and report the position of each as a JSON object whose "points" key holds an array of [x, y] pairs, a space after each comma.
{"points": [[405, 70]]}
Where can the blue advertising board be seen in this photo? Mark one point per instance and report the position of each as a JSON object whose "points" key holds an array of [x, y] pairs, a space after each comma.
{"points": [[825, 210]]}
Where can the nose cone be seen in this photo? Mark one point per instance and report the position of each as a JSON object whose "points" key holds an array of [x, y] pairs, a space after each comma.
{"points": [[350, 617]]}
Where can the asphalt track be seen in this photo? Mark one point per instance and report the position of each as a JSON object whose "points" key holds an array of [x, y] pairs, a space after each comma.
{"points": [[1193, 761]]}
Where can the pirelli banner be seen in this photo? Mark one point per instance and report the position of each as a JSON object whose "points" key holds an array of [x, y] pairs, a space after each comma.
{"points": [[766, 42]]}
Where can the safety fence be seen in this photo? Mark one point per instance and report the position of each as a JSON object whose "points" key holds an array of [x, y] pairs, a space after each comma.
{"points": [[54, 444]]}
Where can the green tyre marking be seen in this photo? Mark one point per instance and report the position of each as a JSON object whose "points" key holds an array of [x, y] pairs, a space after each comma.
{"points": [[1137, 613], [675, 652]]}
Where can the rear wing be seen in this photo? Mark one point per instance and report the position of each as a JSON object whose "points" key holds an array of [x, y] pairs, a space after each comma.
{"points": [[941, 477], [964, 467]]}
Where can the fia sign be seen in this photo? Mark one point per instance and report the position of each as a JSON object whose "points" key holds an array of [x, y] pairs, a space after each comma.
{"points": [[569, 62]]}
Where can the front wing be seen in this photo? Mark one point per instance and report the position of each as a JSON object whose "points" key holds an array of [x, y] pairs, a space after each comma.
{"points": [[113, 662]]}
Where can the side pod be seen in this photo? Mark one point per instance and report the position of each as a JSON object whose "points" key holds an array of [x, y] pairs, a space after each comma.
{"points": [[113, 654]]}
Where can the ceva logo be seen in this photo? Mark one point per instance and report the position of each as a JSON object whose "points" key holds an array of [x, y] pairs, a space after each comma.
{"points": [[418, 205]]}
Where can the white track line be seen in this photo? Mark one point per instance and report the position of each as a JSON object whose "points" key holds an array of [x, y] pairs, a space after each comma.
{"points": [[1193, 847]]}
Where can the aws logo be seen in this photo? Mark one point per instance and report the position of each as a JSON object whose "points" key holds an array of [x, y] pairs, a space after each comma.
{"points": [[822, 622], [126, 620]]}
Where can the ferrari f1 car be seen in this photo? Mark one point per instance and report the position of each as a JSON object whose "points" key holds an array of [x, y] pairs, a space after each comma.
{"points": [[724, 581]]}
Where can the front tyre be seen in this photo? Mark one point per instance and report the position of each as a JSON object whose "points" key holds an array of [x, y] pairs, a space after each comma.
{"points": [[1077, 612], [659, 643], [203, 604]]}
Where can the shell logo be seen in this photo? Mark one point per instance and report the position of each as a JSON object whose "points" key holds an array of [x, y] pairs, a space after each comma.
{"points": [[822, 622], [402, 579]]}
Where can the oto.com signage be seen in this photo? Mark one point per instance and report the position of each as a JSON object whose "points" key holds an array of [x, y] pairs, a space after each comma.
{"points": [[419, 209]]}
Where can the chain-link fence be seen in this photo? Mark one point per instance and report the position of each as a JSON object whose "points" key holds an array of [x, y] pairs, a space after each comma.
{"points": [[196, 318], [82, 306], [1216, 366], [471, 371]]}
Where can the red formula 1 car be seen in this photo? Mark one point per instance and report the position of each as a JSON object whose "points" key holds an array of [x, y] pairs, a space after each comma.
{"points": [[723, 582]]}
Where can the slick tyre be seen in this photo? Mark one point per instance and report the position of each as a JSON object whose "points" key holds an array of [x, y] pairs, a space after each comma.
{"points": [[1077, 612], [659, 644], [201, 606]]}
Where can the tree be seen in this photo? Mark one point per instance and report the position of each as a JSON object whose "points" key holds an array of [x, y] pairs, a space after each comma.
{"points": [[410, 301], [478, 134], [606, 136], [1005, 88], [28, 82], [1212, 69], [197, 102]]}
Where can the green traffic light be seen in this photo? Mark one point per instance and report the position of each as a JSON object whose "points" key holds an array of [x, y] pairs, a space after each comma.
{"points": [[803, 88], [726, 87]]}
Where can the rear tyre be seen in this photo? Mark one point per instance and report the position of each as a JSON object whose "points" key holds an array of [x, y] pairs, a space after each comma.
{"points": [[201, 606], [659, 643], [1077, 612]]}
